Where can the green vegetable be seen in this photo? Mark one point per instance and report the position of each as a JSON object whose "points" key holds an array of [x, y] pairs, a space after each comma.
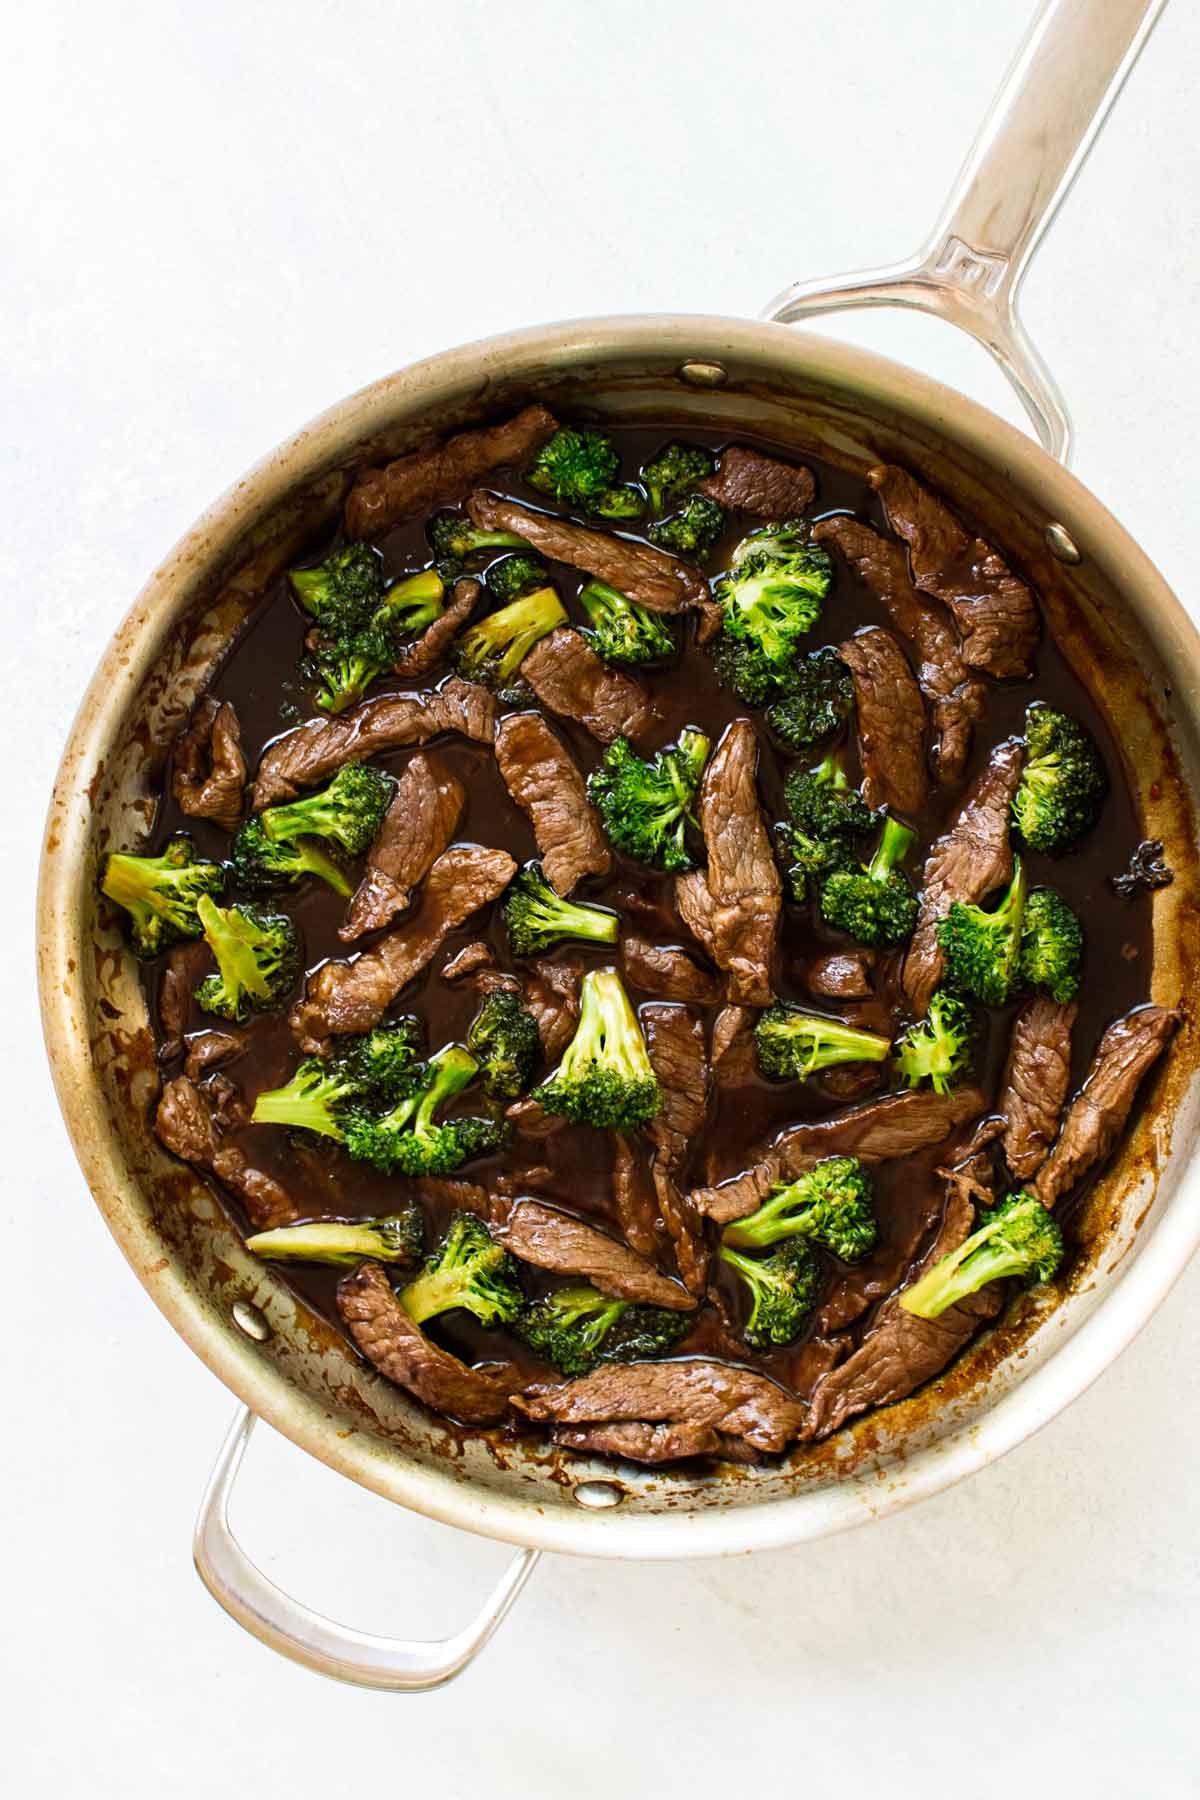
{"points": [[262, 866], [577, 1327], [504, 1036], [816, 697], [1064, 782], [982, 949], [828, 818], [783, 1290], [645, 805], [454, 540], [581, 469], [258, 959], [468, 1270], [493, 649], [161, 894], [875, 904], [936, 1049], [515, 576], [773, 594], [672, 471], [605, 1078], [1017, 1237], [360, 626], [342, 592], [1051, 945], [537, 918], [371, 1071], [830, 1205], [624, 631], [408, 1140], [347, 813], [693, 531], [794, 1044], [343, 1243]]}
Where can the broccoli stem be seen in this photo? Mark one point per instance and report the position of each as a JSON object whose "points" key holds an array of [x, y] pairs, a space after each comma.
{"points": [[894, 846], [340, 1243]]}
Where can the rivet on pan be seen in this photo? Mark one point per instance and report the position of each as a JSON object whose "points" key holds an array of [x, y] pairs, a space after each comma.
{"points": [[598, 1494], [1061, 544], [250, 1322], [703, 374]]}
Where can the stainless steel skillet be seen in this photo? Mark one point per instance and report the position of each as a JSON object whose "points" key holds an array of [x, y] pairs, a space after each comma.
{"points": [[1136, 648]]}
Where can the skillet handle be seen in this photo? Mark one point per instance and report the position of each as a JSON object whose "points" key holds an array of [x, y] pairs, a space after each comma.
{"points": [[307, 1637], [1042, 123]]}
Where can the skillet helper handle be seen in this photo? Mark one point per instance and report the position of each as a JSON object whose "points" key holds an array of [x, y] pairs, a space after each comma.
{"points": [[286, 1625], [1042, 123]]}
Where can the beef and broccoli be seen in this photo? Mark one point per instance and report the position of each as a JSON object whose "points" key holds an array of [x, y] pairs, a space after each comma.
{"points": [[637, 936]]}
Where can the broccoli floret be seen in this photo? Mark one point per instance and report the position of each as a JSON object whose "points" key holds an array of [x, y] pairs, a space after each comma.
{"points": [[604, 1078], [754, 677], [258, 959], [408, 1141], [823, 804], [454, 540], [348, 812], [1051, 945], [645, 806], [577, 1327], [816, 697], [783, 1291], [829, 1204], [624, 631], [348, 654], [808, 861], [773, 593], [342, 1243], [794, 1044], [693, 530], [469, 1269], [875, 904], [581, 468], [492, 650], [672, 471], [936, 1049], [374, 1070], [161, 893], [1063, 784], [537, 918], [342, 592], [515, 576], [624, 502], [262, 866], [504, 1036], [982, 950], [1017, 1237]]}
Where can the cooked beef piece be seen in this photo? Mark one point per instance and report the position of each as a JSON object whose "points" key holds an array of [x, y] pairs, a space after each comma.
{"points": [[540, 774], [709, 620], [734, 907], [468, 961], [567, 676], [210, 770], [532, 1178], [956, 697], [1096, 1117], [187, 1128], [462, 1196], [994, 610], [353, 996], [851, 1081], [675, 1041], [551, 1239], [418, 659], [442, 472], [1035, 1083], [891, 721], [417, 827], [733, 1401], [900, 1351], [684, 1226], [650, 576], [312, 752], [529, 1118], [841, 975], [666, 970], [552, 995], [733, 1057], [747, 481], [226, 1102], [877, 1131], [209, 1049], [636, 1441], [633, 1198], [179, 977], [400, 1350], [967, 863]]}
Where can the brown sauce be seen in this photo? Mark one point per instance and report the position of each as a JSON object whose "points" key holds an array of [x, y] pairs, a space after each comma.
{"points": [[260, 678]]}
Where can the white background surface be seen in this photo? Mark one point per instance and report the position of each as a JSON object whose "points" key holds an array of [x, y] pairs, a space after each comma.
{"points": [[215, 219]]}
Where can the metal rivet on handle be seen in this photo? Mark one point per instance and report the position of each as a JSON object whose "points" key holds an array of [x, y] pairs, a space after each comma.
{"points": [[703, 374], [250, 1322], [1061, 544], [598, 1494]]}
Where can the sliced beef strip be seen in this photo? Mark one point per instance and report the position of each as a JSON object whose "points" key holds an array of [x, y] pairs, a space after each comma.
{"points": [[876, 1131], [633, 1198], [209, 1049], [418, 825], [180, 975], [1036, 1078], [210, 770], [541, 775], [568, 677], [900, 1351], [1097, 1115], [650, 576], [995, 612], [353, 996], [956, 696], [468, 961], [841, 975], [312, 752], [733, 1058], [226, 1102], [637, 1441], [742, 881], [399, 1349], [551, 1239], [530, 1178], [463, 1196], [747, 481], [668, 971], [552, 995], [675, 1041], [422, 656], [733, 1401], [442, 472], [529, 1118], [968, 862], [186, 1126], [890, 717]]}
